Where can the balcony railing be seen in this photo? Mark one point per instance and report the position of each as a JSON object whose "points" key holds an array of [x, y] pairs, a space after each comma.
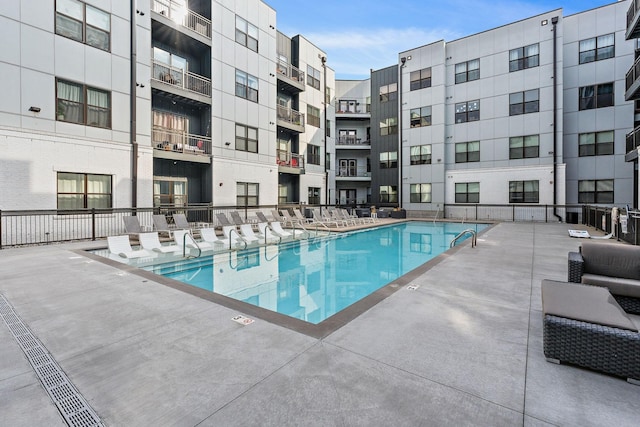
{"points": [[353, 106], [289, 71], [183, 79], [290, 116], [633, 139], [289, 159], [353, 173], [181, 142], [631, 12], [352, 140], [182, 16]]}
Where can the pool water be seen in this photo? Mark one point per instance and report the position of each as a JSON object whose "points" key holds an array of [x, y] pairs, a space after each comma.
{"points": [[316, 278]]}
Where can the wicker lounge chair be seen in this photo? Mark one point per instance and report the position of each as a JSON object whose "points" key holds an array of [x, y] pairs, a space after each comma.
{"points": [[583, 325]]}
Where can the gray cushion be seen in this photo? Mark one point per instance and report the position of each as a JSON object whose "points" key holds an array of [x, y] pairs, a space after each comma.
{"points": [[591, 304], [617, 285], [611, 259]]}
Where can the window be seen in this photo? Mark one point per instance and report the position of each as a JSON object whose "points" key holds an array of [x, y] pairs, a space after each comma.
{"points": [[327, 95], [524, 57], [246, 86], [246, 34], [348, 136], [597, 48], [596, 96], [246, 138], [421, 154], [313, 116], [81, 191], [388, 160], [313, 77], [468, 152], [524, 102], [468, 111], [467, 192], [314, 196], [420, 117], [524, 147], [313, 154], [83, 23], [169, 191], [595, 143], [389, 126], [388, 194], [420, 193], [247, 194], [420, 79], [389, 92], [85, 105], [523, 192], [595, 191], [468, 71], [327, 128]]}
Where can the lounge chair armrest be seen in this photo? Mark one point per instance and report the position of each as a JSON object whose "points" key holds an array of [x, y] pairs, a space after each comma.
{"points": [[575, 267]]}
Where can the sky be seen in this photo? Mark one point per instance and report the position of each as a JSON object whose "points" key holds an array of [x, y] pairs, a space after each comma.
{"points": [[359, 35]]}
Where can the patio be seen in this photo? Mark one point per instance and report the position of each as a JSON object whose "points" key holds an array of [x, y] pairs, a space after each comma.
{"points": [[464, 348]]}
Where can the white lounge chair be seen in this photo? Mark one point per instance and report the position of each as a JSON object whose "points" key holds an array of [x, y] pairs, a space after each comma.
{"points": [[279, 231], [121, 246], [210, 237], [151, 242], [266, 234], [584, 234], [247, 234], [185, 238]]}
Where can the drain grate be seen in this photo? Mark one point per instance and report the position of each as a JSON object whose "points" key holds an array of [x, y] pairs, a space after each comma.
{"points": [[75, 410]]}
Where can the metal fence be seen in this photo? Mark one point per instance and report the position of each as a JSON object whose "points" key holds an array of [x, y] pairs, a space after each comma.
{"points": [[516, 212]]}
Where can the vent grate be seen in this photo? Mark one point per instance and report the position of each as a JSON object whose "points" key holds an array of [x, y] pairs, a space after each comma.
{"points": [[73, 407]]}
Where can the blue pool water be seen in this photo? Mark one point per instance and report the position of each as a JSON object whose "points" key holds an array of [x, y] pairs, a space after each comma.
{"points": [[316, 278]]}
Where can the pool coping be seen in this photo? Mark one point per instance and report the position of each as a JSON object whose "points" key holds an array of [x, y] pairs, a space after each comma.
{"points": [[320, 330]]}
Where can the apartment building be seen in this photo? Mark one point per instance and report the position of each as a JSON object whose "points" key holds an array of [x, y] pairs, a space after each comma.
{"points": [[165, 102], [632, 93]]}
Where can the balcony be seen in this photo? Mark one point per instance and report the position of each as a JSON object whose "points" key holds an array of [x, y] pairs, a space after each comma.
{"points": [[290, 119], [633, 141], [290, 78], [176, 145], [183, 17], [353, 108], [633, 26], [632, 86], [352, 142], [351, 174], [290, 162], [177, 78]]}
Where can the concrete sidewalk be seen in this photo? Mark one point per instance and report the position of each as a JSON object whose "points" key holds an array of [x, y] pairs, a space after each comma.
{"points": [[465, 348]]}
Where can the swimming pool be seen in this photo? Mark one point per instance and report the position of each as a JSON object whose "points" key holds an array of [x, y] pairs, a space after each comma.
{"points": [[316, 278]]}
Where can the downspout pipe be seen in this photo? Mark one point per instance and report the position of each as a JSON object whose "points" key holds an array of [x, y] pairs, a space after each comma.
{"points": [[326, 169], [132, 108], [403, 61], [554, 22]]}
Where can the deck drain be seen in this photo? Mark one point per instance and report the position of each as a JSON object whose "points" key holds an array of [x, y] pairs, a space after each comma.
{"points": [[75, 410]]}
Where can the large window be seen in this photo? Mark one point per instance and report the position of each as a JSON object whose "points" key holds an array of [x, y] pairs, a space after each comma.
{"points": [[468, 111], [246, 138], [389, 126], [420, 193], [246, 86], [467, 192], [313, 116], [246, 34], [389, 160], [313, 196], [468, 71], [523, 192], [247, 194], [388, 194], [421, 154], [389, 92], [595, 191], [595, 96], [420, 117], [81, 191], [597, 48], [313, 77], [170, 191], [85, 105], [524, 57], [313, 154], [524, 102], [420, 79], [83, 23], [524, 147], [595, 143], [468, 152]]}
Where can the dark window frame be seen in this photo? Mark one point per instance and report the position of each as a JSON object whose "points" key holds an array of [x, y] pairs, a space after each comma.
{"points": [[391, 196], [313, 116], [524, 191], [524, 102], [463, 72], [245, 142], [87, 28], [464, 194], [597, 145], [245, 90], [468, 111], [63, 104], [522, 58], [421, 158], [389, 126], [313, 154], [418, 193], [85, 194], [313, 77], [420, 117], [600, 95], [244, 198], [389, 92], [601, 192], [243, 35], [420, 79], [518, 148], [387, 161], [469, 155], [599, 52]]}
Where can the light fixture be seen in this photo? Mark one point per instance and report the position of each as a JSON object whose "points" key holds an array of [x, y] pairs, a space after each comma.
{"points": [[227, 143], [35, 109]]}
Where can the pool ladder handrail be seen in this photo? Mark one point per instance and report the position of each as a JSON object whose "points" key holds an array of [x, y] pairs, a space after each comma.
{"points": [[239, 238], [474, 237], [184, 246], [266, 242]]}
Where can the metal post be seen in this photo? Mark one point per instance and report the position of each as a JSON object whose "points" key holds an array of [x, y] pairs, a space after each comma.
{"points": [[0, 228], [93, 224]]}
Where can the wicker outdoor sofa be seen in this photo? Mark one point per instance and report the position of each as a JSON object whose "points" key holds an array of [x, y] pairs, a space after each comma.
{"points": [[585, 326]]}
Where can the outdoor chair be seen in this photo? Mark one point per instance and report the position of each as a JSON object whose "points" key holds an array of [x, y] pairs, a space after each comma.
{"points": [[236, 218], [288, 219], [151, 242], [161, 225], [277, 216], [121, 246], [279, 231], [301, 218], [132, 225], [209, 236], [266, 234], [181, 222], [261, 217], [185, 239], [247, 234], [223, 221]]}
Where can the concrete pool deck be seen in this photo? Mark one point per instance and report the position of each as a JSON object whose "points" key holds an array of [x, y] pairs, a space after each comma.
{"points": [[464, 348]]}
